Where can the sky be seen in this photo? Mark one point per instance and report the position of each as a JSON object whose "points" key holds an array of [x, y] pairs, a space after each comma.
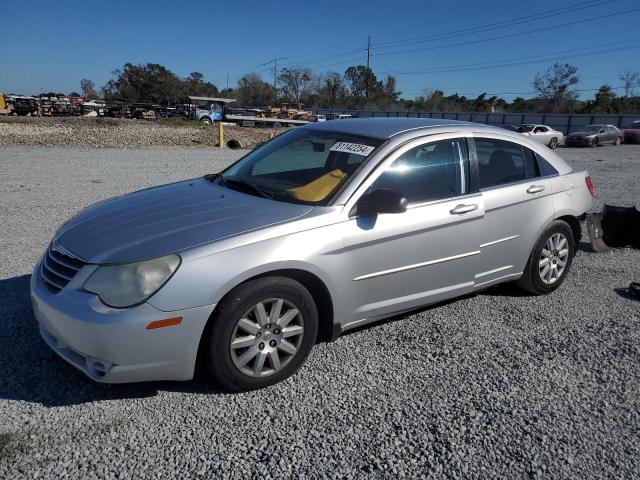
{"points": [[464, 46]]}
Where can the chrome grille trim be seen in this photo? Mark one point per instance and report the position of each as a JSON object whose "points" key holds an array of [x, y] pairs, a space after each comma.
{"points": [[58, 269]]}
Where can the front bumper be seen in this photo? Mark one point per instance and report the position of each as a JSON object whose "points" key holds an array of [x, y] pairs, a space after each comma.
{"points": [[577, 142], [113, 345]]}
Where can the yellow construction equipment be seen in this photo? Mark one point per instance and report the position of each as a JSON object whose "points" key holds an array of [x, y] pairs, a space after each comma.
{"points": [[5, 109], [288, 111]]}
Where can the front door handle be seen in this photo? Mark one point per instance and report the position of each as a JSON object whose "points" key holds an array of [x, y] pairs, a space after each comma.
{"points": [[462, 209], [535, 188]]}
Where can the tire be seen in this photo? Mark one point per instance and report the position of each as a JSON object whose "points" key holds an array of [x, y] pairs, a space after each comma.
{"points": [[206, 121], [553, 143], [595, 143], [533, 278], [252, 363], [618, 141]]}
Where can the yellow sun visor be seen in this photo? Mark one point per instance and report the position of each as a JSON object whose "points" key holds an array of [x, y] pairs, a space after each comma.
{"points": [[319, 188]]}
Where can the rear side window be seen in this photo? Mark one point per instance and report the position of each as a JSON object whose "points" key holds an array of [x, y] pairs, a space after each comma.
{"points": [[429, 172], [499, 162], [546, 169], [533, 171]]}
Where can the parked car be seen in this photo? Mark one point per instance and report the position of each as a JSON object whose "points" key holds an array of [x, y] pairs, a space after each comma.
{"points": [[325, 228], [319, 118], [632, 132], [594, 135], [543, 134]]}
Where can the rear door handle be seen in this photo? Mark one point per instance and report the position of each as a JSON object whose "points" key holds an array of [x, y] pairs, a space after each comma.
{"points": [[535, 189], [462, 209]]}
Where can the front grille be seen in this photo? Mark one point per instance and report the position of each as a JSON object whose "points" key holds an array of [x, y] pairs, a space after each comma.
{"points": [[58, 269]]}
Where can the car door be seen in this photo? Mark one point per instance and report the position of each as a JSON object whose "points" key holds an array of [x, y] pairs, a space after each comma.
{"points": [[603, 135], [518, 205], [400, 261]]}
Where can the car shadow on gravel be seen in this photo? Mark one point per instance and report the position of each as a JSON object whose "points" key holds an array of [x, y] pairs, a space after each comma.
{"points": [[31, 372]]}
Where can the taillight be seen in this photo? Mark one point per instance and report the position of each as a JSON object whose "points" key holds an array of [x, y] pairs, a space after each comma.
{"points": [[590, 186]]}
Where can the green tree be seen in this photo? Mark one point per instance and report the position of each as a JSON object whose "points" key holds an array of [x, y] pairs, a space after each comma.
{"points": [[253, 91], [195, 85], [605, 101], [361, 81]]}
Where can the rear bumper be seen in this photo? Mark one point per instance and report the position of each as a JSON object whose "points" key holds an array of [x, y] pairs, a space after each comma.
{"points": [[113, 345]]}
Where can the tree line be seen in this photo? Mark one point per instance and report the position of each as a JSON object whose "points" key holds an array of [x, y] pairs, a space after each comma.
{"points": [[555, 90]]}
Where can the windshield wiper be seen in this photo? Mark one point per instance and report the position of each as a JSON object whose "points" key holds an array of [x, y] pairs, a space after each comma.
{"points": [[247, 186], [212, 177]]}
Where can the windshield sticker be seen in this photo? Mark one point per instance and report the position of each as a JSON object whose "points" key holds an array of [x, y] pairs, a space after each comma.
{"points": [[355, 148]]}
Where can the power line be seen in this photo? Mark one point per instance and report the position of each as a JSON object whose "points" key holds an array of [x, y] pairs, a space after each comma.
{"points": [[497, 25], [326, 58], [510, 35], [275, 68], [518, 60], [467, 31], [521, 84]]}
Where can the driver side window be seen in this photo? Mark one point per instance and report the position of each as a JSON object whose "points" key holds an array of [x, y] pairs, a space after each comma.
{"points": [[429, 172]]}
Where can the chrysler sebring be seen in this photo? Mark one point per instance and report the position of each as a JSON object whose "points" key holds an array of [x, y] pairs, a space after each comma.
{"points": [[325, 228]]}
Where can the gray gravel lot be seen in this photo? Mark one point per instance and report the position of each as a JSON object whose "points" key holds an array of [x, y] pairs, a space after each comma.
{"points": [[496, 385]]}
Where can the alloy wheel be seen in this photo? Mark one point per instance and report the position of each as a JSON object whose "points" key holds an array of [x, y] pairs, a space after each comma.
{"points": [[266, 337], [553, 258]]}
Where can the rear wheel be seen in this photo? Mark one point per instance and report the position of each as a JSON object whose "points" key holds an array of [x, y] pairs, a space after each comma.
{"points": [[553, 143], [262, 332], [550, 260]]}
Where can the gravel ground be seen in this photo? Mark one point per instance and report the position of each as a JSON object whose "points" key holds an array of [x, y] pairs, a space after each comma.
{"points": [[115, 133], [495, 385]]}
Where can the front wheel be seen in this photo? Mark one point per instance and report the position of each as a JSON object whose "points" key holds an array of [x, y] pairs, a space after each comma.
{"points": [[553, 143], [206, 121], [262, 332], [618, 141], [550, 260]]}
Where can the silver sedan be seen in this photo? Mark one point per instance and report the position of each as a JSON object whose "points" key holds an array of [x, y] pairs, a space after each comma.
{"points": [[543, 134], [325, 228]]}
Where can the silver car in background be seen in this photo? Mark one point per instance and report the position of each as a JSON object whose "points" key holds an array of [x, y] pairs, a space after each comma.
{"points": [[542, 133], [325, 228]]}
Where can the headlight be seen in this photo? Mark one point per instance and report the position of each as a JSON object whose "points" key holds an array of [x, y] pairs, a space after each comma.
{"points": [[127, 285]]}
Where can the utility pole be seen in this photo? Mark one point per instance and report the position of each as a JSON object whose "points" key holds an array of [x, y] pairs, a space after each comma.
{"points": [[227, 81], [366, 88], [275, 68]]}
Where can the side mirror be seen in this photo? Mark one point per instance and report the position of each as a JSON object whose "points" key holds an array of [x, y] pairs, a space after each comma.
{"points": [[381, 200]]}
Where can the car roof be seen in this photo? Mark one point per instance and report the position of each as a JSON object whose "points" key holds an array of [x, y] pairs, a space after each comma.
{"points": [[384, 127]]}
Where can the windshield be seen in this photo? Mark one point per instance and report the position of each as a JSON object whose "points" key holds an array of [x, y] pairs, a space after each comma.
{"points": [[591, 128], [300, 166]]}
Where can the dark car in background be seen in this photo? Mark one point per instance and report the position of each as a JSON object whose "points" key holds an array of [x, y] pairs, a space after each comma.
{"points": [[632, 132], [593, 136]]}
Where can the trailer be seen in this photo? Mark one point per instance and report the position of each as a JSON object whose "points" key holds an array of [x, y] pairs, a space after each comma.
{"points": [[217, 110], [253, 121]]}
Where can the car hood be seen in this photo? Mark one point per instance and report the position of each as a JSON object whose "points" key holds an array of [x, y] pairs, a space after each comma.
{"points": [[168, 219], [581, 134]]}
